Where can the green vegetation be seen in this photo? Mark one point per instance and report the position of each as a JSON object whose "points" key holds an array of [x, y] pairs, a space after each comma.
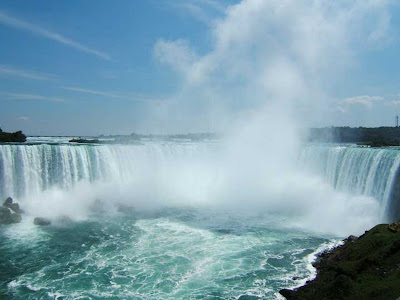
{"points": [[12, 137], [374, 137], [367, 267]]}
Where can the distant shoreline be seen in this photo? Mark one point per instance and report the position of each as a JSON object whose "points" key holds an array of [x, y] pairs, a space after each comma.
{"points": [[363, 136], [12, 137]]}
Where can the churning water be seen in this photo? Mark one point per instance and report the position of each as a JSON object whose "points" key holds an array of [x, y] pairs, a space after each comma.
{"points": [[173, 220]]}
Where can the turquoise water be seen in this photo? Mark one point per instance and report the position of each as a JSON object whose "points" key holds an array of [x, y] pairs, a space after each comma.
{"points": [[182, 220], [166, 254]]}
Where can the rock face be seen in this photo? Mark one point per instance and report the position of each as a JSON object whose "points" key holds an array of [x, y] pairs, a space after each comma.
{"points": [[10, 212], [7, 217], [41, 221], [367, 267], [12, 205]]}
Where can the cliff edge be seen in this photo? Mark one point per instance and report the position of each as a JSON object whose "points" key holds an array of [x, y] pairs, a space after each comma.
{"points": [[367, 267]]}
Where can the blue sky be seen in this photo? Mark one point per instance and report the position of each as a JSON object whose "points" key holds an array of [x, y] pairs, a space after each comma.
{"points": [[103, 67]]}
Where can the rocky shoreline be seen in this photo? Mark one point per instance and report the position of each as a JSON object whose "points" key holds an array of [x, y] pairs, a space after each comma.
{"points": [[367, 267]]}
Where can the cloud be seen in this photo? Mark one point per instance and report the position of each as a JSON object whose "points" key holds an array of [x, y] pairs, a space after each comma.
{"points": [[204, 11], [7, 20], [393, 103], [11, 71], [365, 100], [129, 96], [23, 118], [177, 54], [20, 96], [94, 92], [284, 53]]}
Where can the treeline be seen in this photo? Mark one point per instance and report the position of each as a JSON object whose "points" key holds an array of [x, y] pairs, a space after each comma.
{"points": [[375, 137], [12, 137]]}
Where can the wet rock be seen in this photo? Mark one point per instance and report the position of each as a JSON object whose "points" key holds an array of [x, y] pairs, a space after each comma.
{"points": [[8, 217], [350, 239], [297, 278], [10, 212], [5, 215], [9, 203], [15, 208], [41, 221], [16, 218]]}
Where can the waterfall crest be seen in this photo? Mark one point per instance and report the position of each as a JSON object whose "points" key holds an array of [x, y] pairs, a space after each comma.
{"points": [[28, 170], [359, 170]]}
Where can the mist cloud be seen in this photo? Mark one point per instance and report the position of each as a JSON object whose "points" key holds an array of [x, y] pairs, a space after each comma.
{"points": [[287, 52], [364, 100]]}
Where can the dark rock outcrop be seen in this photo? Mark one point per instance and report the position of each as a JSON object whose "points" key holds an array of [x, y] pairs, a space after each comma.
{"points": [[9, 203], [10, 212], [7, 217], [367, 267], [41, 221], [12, 137]]}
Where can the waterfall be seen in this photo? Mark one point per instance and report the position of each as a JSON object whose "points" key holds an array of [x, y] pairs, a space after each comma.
{"points": [[363, 171], [28, 170]]}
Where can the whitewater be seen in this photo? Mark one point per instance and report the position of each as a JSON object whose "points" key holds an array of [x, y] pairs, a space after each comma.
{"points": [[181, 219]]}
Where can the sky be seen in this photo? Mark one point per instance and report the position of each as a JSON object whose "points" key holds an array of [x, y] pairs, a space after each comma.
{"points": [[116, 67]]}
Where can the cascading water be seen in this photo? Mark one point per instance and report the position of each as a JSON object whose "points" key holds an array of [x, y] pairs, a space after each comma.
{"points": [[222, 226], [26, 170], [63, 179], [359, 170]]}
